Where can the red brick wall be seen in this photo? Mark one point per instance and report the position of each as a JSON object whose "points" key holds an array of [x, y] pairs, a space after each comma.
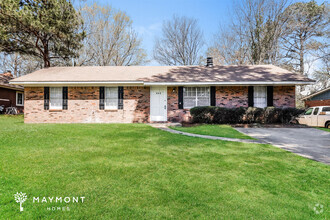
{"points": [[83, 107], [284, 96], [83, 104], [311, 103], [231, 96], [174, 114]]}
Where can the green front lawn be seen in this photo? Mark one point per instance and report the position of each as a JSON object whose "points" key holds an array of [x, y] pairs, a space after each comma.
{"points": [[134, 171], [214, 130], [325, 129]]}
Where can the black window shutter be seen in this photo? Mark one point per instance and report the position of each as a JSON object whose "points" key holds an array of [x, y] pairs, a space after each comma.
{"points": [[250, 96], [270, 90], [180, 101], [213, 101], [120, 97], [101, 98], [46, 98], [65, 98]]}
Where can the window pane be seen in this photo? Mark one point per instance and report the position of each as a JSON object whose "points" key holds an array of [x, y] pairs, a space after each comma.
{"points": [[20, 98], [203, 96], [111, 98], [203, 101], [260, 96], [316, 110], [55, 98], [189, 97], [196, 96], [202, 92], [189, 102]]}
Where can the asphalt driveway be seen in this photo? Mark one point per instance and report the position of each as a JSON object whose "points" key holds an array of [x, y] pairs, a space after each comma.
{"points": [[307, 142]]}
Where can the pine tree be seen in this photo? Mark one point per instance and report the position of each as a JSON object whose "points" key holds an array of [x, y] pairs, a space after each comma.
{"points": [[46, 29]]}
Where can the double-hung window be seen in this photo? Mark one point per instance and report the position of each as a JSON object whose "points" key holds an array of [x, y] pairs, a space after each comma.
{"points": [[55, 98], [111, 98], [19, 98], [260, 96], [196, 96]]}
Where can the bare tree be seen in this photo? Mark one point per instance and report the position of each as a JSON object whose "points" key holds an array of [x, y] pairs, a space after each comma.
{"points": [[229, 48], [322, 73], [252, 36], [19, 64], [110, 39], [180, 43]]}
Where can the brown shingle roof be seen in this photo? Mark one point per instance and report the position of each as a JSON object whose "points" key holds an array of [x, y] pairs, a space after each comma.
{"points": [[4, 82], [178, 74]]}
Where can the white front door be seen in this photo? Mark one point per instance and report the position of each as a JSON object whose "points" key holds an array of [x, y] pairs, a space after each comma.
{"points": [[158, 104]]}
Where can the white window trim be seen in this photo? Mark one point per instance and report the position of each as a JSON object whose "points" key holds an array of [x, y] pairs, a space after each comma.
{"points": [[107, 107], [196, 97], [17, 98], [50, 100]]}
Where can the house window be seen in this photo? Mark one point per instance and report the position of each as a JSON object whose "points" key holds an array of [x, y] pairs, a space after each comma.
{"points": [[111, 98], [55, 98], [260, 96], [196, 96], [19, 98]]}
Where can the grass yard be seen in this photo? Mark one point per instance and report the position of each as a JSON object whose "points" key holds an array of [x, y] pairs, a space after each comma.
{"points": [[325, 129], [134, 171], [214, 130]]}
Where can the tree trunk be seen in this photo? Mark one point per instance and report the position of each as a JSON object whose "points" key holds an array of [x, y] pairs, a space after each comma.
{"points": [[46, 55], [16, 66], [301, 56], [46, 61]]}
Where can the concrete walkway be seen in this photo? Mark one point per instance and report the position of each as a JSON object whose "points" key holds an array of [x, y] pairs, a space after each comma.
{"points": [[211, 137], [307, 142]]}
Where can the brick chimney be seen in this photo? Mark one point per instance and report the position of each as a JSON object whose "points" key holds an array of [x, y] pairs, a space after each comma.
{"points": [[209, 62]]}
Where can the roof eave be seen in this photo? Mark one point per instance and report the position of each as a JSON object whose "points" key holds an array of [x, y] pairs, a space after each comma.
{"points": [[76, 83], [315, 94], [247, 83], [12, 88], [141, 83]]}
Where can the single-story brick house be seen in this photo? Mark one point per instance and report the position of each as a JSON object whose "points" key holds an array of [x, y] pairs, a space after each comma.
{"points": [[126, 94], [11, 95], [319, 98]]}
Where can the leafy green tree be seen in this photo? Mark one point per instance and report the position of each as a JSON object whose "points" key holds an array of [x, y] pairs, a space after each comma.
{"points": [[45, 29]]}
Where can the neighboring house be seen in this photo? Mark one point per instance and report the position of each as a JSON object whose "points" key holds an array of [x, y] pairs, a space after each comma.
{"points": [[320, 98], [11, 95], [144, 94]]}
